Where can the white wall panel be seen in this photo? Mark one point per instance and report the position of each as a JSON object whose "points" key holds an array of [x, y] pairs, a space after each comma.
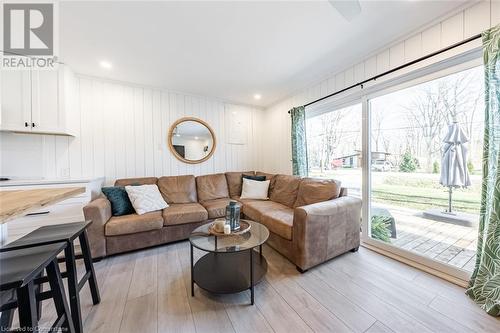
{"points": [[413, 48], [452, 30], [397, 55], [370, 67], [495, 12], [476, 19], [124, 134], [331, 87], [339, 81], [75, 144], [359, 72], [349, 77], [383, 61], [431, 39]]}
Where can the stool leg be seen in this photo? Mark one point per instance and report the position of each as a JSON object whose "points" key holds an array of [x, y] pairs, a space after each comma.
{"points": [[26, 299], [6, 320], [7, 316], [89, 267], [57, 288], [74, 293], [39, 290]]}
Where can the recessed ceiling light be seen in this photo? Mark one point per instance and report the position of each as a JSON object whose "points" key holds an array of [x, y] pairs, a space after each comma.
{"points": [[105, 64], [257, 96], [196, 138]]}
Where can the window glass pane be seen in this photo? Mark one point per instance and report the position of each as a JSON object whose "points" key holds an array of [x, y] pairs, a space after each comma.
{"points": [[334, 147], [409, 205]]}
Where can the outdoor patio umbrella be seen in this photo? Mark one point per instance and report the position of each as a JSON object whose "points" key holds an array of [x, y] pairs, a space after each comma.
{"points": [[454, 172]]}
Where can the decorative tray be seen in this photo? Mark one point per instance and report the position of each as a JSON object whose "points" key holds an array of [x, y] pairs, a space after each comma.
{"points": [[244, 227]]}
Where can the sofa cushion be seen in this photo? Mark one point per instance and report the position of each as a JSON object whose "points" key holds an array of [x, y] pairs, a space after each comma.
{"points": [[216, 208], [234, 182], [120, 202], [212, 187], [254, 209], [269, 176], [279, 221], [255, 189], [133, 223], [257, 178], [313, 190], [184, 213], [145, 198], [178, 189], [285, 189], [136, 181]]}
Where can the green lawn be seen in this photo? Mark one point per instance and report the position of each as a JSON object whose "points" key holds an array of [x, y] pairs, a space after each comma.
{"points": [[418, 190], [425, 197]]}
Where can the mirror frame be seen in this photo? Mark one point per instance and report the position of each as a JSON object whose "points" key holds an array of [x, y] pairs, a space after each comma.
{"points": [[171, 146]]}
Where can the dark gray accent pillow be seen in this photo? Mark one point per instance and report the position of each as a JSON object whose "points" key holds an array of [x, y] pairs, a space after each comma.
{"points": [[120, 203], [257, 178]]}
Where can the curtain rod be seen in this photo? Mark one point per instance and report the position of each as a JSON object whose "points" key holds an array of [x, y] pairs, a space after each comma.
{"points": [[373, 78]]}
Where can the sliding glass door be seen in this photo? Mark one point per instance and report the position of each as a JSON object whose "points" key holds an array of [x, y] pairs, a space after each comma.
{"points": [[334, 145], [425, 147], [412, 149]]}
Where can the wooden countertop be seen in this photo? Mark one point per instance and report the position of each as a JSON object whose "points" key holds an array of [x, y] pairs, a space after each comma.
{"points": [[18, 203]]}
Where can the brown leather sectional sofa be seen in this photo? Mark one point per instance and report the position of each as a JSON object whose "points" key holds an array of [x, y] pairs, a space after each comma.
{"points": [[310, 220]]}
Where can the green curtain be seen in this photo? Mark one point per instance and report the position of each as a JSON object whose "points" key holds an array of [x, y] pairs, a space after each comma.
{"points": [[299, 146], [484, 286]]}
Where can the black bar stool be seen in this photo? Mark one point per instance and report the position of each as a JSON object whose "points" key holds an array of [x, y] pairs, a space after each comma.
{"points": [[19, 270], [68, 233]]}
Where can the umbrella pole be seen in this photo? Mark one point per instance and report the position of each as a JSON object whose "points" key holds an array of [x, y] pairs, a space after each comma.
{"points": [[449, 198]]}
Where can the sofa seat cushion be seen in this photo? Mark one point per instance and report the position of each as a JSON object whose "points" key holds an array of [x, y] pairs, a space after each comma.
{"points": [[184, 213], [279, 222], [216, 208], [254, 209], [133, 223]]}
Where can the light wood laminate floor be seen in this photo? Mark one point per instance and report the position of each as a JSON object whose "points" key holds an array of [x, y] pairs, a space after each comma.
{"points": [[148, 291]]}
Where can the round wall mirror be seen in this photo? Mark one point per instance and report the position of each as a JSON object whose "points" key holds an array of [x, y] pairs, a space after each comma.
{"points": [[191, 140]]}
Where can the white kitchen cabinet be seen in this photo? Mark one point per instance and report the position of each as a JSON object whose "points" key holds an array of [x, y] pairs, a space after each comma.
{"points": [[45, 111], [38, 101], [15, 100]]}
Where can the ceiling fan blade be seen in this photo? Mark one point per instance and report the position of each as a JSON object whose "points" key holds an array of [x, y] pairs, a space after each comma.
{"points": [[349, 9]]}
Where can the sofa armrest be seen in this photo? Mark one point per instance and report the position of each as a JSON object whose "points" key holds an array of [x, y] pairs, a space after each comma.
{"points": [[99, 212], [326, 229]]}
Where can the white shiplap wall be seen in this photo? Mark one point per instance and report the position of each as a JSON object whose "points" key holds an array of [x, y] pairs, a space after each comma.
{"points": [[123, 133], [452, 29]]}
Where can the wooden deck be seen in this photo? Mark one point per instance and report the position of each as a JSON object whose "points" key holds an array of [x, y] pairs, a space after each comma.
{"points": [[446, 242]]}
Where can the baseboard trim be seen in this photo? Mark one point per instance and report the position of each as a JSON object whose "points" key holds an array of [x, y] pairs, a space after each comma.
{"points": [[427, 269]]}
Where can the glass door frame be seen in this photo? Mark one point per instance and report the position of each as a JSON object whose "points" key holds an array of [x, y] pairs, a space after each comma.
{"points": [[433, 266]]}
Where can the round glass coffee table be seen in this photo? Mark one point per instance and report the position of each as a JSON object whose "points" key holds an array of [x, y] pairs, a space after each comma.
{"points": [[231, 264]]}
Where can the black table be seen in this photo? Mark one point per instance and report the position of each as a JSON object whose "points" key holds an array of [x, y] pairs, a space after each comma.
{"points": [[231, 264]]}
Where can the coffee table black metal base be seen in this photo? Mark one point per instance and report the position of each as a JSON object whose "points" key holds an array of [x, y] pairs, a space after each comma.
{"points": [[228, 273]]}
